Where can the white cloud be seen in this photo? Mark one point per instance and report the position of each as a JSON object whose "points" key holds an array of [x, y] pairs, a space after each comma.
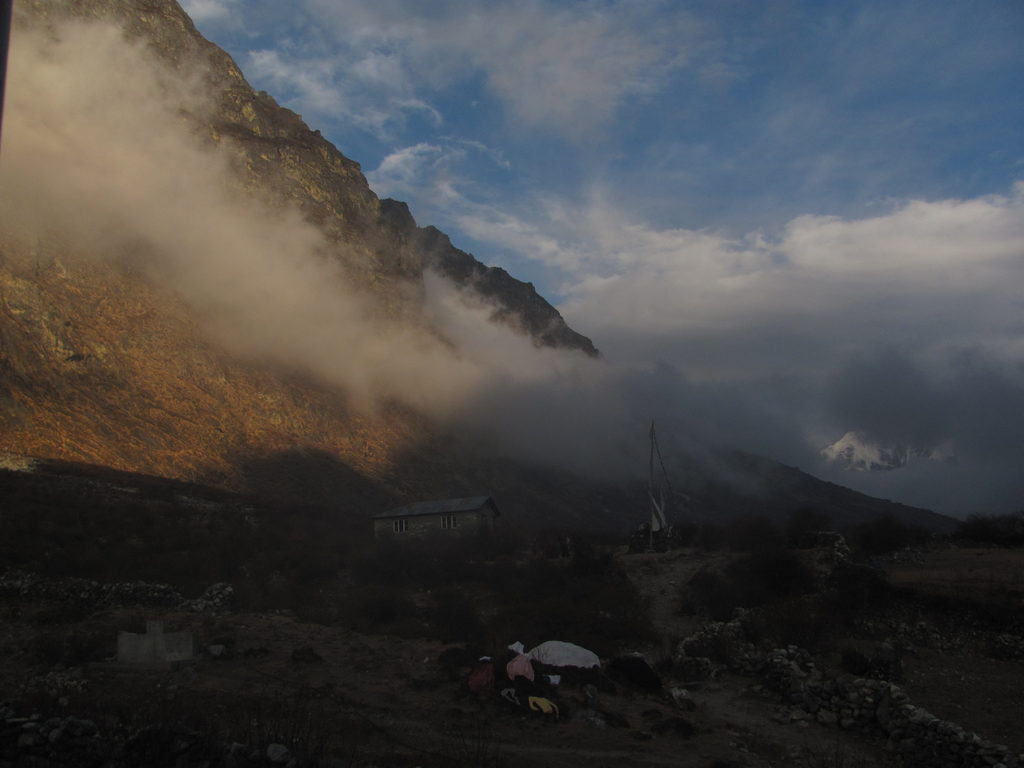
{"points": [[404, 169], [383, 69], [491, 224], [312, 84], [327, 84], [432, 175], [496, 155], [208, 10], [905, 324], [921, 241], [929, 275], [567, 69]]}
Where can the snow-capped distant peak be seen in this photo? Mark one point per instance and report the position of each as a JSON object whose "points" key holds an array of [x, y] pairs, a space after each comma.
{"points": [[855, 451]]}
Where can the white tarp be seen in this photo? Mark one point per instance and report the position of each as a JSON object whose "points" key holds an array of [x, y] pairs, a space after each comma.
{"points": [[555, 653]]}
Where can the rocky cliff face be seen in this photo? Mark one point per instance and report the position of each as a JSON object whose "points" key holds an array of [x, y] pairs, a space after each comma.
{"points": [[514, 302], [277, 156], [102, 362], [280, 159]]}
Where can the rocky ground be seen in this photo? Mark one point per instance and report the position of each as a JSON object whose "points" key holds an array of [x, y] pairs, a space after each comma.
{"points": [[268, 688]]}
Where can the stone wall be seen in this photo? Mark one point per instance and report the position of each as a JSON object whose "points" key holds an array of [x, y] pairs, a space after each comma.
{"points": [[882, 708], [877, 708], [70, 742], [95, 594]]}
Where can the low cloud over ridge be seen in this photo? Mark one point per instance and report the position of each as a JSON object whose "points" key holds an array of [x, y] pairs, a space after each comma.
{"points": [[97, 152], [904, 325], [100, 152]]}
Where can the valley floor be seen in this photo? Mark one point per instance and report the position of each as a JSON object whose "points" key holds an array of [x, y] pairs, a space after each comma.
{"points": [[338, 697]]}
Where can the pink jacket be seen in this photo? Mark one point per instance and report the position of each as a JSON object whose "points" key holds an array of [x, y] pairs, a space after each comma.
{"points": [[520, 666]]}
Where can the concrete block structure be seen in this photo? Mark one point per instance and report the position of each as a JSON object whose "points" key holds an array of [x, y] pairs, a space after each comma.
{"points": [[155, 646]]}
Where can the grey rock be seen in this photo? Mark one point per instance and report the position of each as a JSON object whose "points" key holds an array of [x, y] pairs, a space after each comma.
{"points": [[278, 754], [825, 717], [883, 713], [681, 698], [28, 740]]}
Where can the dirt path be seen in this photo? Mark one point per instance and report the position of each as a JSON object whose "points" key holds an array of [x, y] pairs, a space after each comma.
{"points": [[660, 578]]}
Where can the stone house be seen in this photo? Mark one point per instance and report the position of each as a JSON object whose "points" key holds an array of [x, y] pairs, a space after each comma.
{"points": [[449, 517]]}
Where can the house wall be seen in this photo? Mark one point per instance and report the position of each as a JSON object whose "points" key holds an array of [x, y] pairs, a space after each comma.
{"points": [[423, 525]]}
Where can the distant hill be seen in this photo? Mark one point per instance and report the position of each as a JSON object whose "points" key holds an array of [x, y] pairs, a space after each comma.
{"points": [[775, 490]]}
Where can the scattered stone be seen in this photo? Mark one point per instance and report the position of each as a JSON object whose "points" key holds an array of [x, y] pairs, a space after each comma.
{"points": [[215, 599], [27, 740], [682, 699], [278, 754], [217, 651], [94, 594], [696, 668], [826, 717]]}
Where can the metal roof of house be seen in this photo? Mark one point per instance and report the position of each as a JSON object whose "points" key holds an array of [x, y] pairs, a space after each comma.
{"points": [[441, 507]]}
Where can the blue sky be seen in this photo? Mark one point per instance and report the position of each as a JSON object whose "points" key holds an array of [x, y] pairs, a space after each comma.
{"points": [[727, 116], [816, 207]]}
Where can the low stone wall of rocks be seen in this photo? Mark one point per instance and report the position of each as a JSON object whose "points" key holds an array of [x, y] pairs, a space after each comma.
{"points": [[882, 708], [96, 594], [876, 707], [1007, 646], [70, 742]]}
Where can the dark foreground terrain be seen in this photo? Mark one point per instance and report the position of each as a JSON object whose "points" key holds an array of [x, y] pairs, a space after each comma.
{"points": [[763, 655]]}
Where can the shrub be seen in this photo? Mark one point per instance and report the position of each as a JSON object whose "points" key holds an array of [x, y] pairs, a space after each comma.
{"points": [[454, 618], [423, 562], [750, 581], [319, 608], [72, 647], [855, 663], [712, 594], [753, 533], [589, 561], [771, 574], [685, 534], [884, 534], [803, 620], [711, 537], [552, 602], [803, 521], [1005, 530], [374, 608], [856, 586]]}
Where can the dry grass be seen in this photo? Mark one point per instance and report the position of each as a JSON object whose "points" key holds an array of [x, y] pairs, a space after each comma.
{"points": [[975, 574]]}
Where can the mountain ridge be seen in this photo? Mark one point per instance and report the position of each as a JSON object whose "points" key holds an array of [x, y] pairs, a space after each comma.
{"points": [[102, 362], [516, 303]]}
